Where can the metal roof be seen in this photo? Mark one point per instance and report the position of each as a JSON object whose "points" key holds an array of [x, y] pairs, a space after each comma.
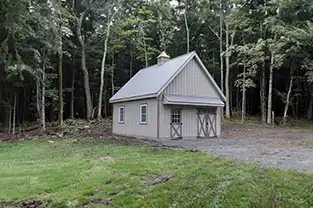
{"points": [[192, 100], [149, 81]]}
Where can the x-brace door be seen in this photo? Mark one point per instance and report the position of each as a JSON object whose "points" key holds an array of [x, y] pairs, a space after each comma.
{"points": [[206, 124], [176, 131]]}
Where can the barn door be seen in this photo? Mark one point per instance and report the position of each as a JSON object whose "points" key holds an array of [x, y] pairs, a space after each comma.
{"points": [[176, 124], [206, 123]]}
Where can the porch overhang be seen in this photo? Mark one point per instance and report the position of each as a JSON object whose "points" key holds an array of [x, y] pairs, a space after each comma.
{"points": [[192, 101]]}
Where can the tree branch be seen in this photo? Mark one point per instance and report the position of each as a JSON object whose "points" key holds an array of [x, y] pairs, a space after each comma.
{"points": [[215, 33]]}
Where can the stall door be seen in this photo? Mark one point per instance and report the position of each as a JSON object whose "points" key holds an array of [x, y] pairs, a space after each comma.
{"points": [[176, 124], [206, 122]]}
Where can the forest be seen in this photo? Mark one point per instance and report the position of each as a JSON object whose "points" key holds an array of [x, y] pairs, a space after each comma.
{"points": [[64, 59]]}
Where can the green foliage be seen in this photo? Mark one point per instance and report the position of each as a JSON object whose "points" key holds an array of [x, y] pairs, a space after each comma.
{"points": [[31, 33]]}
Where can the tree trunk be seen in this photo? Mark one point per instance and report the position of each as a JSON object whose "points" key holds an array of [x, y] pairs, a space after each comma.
{"points": [[310, 109], [112, 75], [243, 104], [72, 94], [270, 89], [14, 115], [146, 52], [99, 116], [131, 63], [262, 93], [10, 119], [84, 67], [60, 73], [227, 56], [43, 103], [38, 98], [287, 101], [186, 25], [221, 45]]}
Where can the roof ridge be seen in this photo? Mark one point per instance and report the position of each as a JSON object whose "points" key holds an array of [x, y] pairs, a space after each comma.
{"points": [[172, 59]]}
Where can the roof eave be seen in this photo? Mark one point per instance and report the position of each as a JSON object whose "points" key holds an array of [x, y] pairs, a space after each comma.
{"points": [[132, 98]]}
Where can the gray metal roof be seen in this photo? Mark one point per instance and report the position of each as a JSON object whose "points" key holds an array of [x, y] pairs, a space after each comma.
{"points": [[192, 100], [149, 81]]}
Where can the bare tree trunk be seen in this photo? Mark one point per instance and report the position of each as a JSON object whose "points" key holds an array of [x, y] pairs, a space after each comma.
{"points": [[10, 119], [99, 116], [310, 109], [221, 45], [131, 63], [186, 25], [287, 100], [112, 75], [84, 67], [243, 104], [106, 40], [262, 93], [270, 89], [146, 52], [43, 103], [37, 98], [227, 56], [60, 73], [14, 115], [72, 94]]}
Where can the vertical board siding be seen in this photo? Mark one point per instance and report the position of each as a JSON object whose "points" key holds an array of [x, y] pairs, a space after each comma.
{"points": [[192, 81], [132, 126], [165, 120], [189, 120]]}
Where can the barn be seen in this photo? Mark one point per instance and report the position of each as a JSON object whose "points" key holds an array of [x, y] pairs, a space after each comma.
{"points": [[174, 99]]}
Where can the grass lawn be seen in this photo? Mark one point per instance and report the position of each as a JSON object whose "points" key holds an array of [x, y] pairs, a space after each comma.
{"points": [[74, 174]]}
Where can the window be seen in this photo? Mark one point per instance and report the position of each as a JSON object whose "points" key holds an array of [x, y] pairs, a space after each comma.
{"points": [[143, 114], [175, 116], [121, 115]]}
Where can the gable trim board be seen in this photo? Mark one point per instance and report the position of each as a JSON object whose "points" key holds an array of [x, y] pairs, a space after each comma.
{"points": [[159, 91]]}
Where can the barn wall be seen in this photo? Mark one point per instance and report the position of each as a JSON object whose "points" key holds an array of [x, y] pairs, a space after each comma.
{"points": [[189, 120], [132, 126], [192, 81]]}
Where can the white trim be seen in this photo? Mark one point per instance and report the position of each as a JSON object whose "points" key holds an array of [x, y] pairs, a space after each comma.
{"points": [[140, 114], [119, 114], [132, 98]]}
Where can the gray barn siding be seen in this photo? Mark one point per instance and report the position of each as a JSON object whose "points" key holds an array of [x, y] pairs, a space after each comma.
{"points": [[189, 120], [132, 126], [192, 81]]}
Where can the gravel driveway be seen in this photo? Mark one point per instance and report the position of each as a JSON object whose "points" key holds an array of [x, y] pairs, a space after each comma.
{"points": [[277, 152]]}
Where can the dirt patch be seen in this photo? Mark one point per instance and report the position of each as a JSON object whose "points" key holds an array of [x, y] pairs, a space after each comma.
{"points": [[24, 204], [107, 159], [102, 201], [159, 179]]}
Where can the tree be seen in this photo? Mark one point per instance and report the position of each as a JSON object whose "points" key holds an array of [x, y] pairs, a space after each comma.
{"points": [[81, 13], [114, 8]]}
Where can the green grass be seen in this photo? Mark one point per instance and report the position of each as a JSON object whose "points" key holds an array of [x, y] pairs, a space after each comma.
{"points": [[72, 174]]}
